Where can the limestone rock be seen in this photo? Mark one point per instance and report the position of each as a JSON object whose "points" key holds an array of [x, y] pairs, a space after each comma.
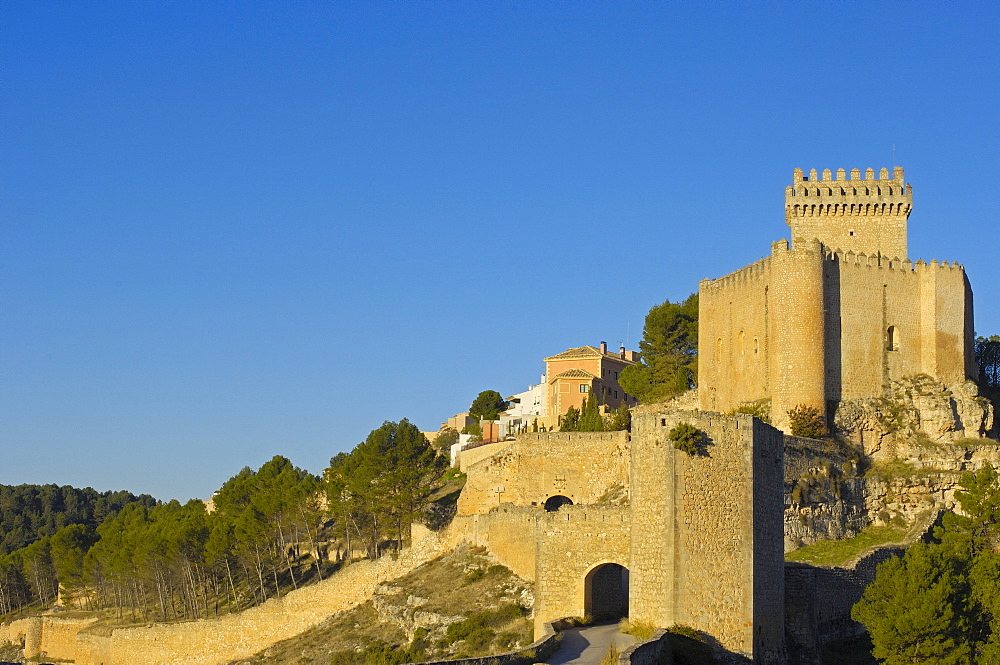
{"points": [[918, 404]]}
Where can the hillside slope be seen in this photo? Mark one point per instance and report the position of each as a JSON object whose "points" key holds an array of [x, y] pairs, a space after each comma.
{"points": [[460, 604]]}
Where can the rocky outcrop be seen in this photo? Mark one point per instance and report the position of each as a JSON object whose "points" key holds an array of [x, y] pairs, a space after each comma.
{"points": [[394, 605], [832, 491], [914, 406]]}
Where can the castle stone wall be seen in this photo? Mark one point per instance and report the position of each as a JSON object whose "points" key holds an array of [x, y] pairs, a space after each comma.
{"points": [[734, 337], [572, 542], [707, 544], [509, 532], [580, 465], [840, 313]]}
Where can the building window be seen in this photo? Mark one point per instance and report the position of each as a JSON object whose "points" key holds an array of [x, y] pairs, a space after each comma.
{"points": [[616, 376], [616, 394], [756, 345], [584, 388], [892, 339], [739, 342]]}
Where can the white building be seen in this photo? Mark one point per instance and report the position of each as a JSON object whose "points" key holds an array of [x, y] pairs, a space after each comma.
{"points": [[523, 409]]}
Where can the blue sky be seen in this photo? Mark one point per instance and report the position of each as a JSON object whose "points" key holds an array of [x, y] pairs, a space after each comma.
{"points": [[234, 230]]}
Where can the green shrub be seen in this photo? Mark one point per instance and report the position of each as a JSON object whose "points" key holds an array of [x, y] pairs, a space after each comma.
{"points": [[807, 421], [687, 438]]}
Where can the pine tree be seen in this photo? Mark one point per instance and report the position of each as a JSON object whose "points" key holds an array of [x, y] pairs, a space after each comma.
{"points": [[914, 612], [669, 349]]}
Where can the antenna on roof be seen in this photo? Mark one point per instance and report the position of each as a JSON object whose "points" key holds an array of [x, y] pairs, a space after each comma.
{"points": [[628, 331]]}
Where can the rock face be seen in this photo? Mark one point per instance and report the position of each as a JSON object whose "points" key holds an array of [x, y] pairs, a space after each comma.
{"points": [[394, 605], [832, 492], [914, 406]]}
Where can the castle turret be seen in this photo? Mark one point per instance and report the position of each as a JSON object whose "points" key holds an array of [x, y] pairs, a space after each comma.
{"points": [[861, 214], [797, 363]]}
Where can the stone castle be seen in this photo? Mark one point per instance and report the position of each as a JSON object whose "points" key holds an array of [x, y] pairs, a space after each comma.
{"points": [[841, 312], [605, 523], [613, 523]]}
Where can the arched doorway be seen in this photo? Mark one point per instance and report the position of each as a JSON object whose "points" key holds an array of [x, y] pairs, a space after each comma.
{"points": [[606, 592], [554, 503]]}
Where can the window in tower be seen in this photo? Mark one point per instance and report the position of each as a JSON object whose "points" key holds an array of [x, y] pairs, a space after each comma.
{"points": [[892, 339]]}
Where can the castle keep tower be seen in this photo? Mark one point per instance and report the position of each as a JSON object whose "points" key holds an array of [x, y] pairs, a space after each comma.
{"points": [[863, 215], [840, 312]]}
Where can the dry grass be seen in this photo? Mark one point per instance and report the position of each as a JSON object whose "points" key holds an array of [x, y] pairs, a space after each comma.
{"points": [[463, 582], [611, 656], [641, 630]]}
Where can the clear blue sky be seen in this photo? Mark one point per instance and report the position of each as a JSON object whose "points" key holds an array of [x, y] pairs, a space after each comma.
{"points": [[234, 230]]}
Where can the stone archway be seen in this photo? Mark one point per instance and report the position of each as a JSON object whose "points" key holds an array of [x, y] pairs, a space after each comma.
{"points": [[606, 592], [557, 501]]}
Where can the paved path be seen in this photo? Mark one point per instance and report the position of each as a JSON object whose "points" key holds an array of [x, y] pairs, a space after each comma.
{"points": [[587, 646]]}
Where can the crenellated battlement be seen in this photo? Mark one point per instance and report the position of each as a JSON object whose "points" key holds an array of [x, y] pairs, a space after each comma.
{"points": [[755, 270], [855, 194], [897, 175], [866, 214], [849, 257]]}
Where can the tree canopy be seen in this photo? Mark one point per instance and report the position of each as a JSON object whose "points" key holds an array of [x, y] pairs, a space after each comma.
{"points": [[378, 489], [939, 603], [488, 405], [669, 352], [987, 353], [31, 512]]}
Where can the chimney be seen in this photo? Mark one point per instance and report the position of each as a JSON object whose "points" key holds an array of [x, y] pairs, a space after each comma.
{"points": [[621, 353], [604, 348]]}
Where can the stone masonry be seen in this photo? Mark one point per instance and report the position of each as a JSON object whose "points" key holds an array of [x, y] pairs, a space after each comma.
{"points": [[673, 537], [838, 314]]}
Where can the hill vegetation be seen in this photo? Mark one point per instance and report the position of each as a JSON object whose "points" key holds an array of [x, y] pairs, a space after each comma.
{"points": [[939, 603], [265, 531], [462, 604], [31, 512]]}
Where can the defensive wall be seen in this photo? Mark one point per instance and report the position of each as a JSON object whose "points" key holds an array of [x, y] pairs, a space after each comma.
{"points": [[507, 531], [213, 641], [575, 545], [707, 540], [581, 466], [699, 540], [837, 314]]}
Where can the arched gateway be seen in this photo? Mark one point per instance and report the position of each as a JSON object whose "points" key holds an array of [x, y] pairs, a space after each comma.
{"points": [[606, 592]]}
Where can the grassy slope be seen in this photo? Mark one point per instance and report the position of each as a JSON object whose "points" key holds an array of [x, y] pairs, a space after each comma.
{"points": [[463, 582], [829, 553]]}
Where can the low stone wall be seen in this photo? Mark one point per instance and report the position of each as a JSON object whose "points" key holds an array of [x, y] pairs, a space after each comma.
{"points": [[536, 652], [654, 651], [212, 641], [467, 458]]}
